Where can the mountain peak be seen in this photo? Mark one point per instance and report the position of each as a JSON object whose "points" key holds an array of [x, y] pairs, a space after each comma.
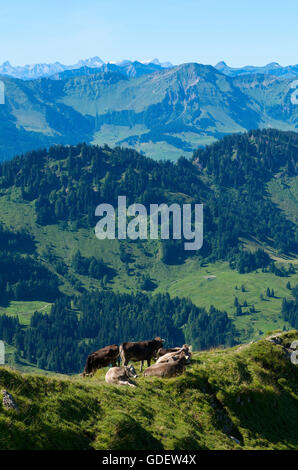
{"points": [[154, 61], [157, 62], [150, 61], [273, 64], [91, 62], [194, 67]]}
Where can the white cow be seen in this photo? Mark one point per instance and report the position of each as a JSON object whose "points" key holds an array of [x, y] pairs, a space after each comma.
{"points": [[174, 356], [121, 375]]}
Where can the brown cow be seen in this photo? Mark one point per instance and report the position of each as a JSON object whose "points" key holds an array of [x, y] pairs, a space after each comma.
{"points": [[140, 351], [101, 358], [168, 369]]}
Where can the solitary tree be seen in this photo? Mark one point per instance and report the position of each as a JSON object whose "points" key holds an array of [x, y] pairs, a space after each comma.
{"points": [[268, 293]]}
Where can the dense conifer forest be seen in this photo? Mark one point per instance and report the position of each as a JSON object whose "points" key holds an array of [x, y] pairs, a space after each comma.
{"points": [[60, 341]]}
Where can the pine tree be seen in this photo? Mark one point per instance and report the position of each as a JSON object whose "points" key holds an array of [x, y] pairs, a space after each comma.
{"points": [[239, 311], [268, 293]]}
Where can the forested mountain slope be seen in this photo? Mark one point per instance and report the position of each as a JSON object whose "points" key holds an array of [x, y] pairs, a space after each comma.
{"points": [[49, 252]]}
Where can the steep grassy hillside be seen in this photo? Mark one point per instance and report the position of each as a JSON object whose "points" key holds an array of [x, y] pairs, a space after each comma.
{"points": [[240, 398], [216, 284]]}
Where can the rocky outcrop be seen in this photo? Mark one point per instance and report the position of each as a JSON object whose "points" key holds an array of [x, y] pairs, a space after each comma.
{"points": [[8, 401]]}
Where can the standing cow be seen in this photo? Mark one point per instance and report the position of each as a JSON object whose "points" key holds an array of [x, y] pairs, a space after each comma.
{"points": [[121, 375], [140, 351], [101, 358]]}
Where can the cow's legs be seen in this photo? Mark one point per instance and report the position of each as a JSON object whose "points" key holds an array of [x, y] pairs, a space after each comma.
{"points": [[149, 361], [123, 382], [142, 364]]}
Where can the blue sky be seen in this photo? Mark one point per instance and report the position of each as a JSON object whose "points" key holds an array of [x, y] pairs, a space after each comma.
{"points": [[240, 32]]}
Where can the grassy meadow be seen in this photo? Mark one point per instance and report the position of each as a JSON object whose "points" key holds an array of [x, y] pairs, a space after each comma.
{"points": [[227, 399]]}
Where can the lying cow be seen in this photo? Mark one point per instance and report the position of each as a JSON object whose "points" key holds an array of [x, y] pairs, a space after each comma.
{"points": [[174, 356], [101, 358], [140, 351], [163, 351], [121, 376], [168, 369]]}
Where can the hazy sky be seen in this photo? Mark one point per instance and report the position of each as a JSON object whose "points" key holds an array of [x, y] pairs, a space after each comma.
{"points": [[240, 32]]}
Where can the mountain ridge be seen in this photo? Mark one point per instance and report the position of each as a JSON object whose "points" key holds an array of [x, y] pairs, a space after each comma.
{"points": [[165, 114], [33, 71], [273, 68]]}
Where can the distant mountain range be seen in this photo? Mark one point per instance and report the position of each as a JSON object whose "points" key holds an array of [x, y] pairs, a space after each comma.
{"points": [[30, 72], [134, 68], [290, 71], [159, 110]]}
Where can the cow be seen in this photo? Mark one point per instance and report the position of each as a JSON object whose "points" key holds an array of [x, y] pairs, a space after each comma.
{"points": [[101, 358], [173, 356], [168, 369], [121, 376], [140, 351], [163, 351]]}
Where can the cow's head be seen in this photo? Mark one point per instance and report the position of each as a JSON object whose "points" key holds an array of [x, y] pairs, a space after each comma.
{"points": [[159, 342], [186, 350], [187, 359], [182, 356], [130, 370]]}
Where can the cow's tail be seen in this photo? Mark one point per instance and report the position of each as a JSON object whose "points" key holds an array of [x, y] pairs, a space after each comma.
{"points": [[122, 354]]}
